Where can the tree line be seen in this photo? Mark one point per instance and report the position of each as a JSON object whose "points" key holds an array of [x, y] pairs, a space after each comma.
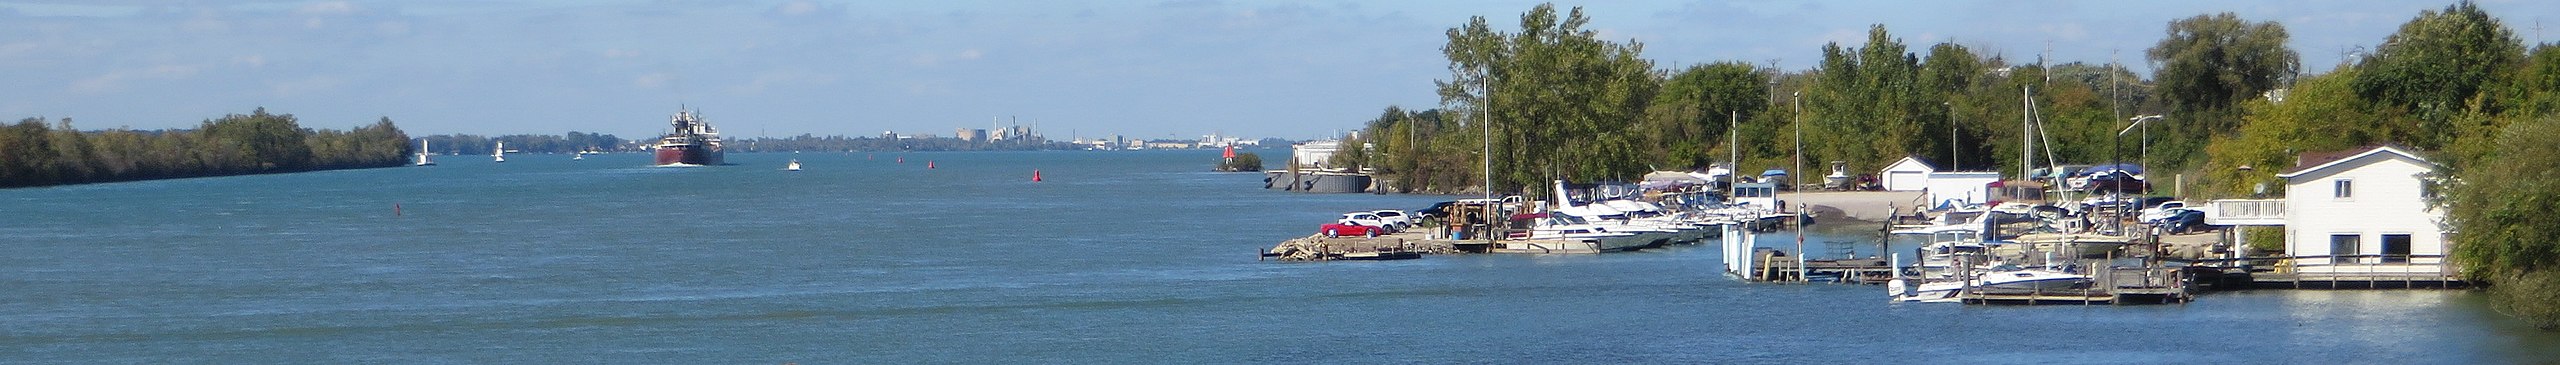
{"points": [[34, 152], [572, 142], [1549, 100], [838, 143]]}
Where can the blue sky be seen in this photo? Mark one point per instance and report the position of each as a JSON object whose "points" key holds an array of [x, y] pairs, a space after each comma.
{"points": [[1175, 69]]}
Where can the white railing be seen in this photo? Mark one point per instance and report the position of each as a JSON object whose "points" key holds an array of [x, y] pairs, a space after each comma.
{"points": [[2244, 212]]}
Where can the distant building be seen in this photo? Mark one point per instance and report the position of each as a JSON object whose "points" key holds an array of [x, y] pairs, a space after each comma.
{"points": [[970, 134], [1907, 174], [888, 135]]}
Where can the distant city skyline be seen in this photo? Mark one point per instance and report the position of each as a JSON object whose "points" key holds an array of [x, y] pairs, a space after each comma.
{"points": [[1145, 70]]}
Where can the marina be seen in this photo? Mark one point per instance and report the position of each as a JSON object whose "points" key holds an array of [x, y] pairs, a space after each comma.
{"points": [[2036, 247], [771, 269]]}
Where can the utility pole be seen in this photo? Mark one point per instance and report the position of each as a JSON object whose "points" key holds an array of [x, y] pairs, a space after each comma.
{"points": [[1484, 79], [1794, 177], [1952, 157]]}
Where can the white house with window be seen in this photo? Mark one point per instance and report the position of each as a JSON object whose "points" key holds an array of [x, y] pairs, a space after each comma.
{"points": [[1907, 174], [2363, 211]]}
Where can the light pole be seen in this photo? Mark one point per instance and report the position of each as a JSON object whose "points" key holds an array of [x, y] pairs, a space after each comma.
{"points": [[2119, 175], [1951, 135], [1794, 176], [2145, 121]]}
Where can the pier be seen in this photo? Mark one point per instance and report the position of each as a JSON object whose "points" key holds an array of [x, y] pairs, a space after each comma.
{"points": [[1389, 247]]}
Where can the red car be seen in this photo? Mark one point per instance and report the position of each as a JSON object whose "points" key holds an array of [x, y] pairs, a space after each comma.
{"points": [[1344, 229]]}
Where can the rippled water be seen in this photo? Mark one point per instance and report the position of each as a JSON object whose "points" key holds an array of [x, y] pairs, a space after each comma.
{"points": [[1118, 257]]}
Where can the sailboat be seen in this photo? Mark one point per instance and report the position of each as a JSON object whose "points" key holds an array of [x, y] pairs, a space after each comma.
{"points": [[422, 154], [501, 154], [794, 166]]}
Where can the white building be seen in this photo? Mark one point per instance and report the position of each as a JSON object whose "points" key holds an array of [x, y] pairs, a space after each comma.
{"points": [[1957, 188], [2363, 211], [1907, 174]]}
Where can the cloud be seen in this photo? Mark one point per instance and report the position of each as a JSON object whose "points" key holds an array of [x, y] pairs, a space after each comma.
{"points": [[302, 86], [116, 80], [769, 79], [653, 80], [931, 59], [326, 8]]}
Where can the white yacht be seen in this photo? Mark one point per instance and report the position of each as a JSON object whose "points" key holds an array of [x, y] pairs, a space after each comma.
{"points": [[422, 154]]}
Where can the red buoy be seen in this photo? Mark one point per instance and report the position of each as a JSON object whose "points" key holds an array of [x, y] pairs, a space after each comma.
{"points": [[1035, 175], [928, 164]]}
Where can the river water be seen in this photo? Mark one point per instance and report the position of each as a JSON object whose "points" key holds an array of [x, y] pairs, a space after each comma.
{"points": [[1118, 257]]}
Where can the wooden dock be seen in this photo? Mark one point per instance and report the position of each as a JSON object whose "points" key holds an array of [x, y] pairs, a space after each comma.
{"points": [[2111, 286], [1776, 266]]}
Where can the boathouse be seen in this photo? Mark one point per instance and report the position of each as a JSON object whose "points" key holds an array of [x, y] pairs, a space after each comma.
{"points": [[1907, 174], [2363, 211]]}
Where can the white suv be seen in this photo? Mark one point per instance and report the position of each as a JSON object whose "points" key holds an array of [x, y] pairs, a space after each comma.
{"points": [[1396, 219], [1366, 219]]}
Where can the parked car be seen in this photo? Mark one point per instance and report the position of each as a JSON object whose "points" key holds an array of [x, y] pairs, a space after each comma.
{"points": [[1366, 219], [2182, 221], [2164, 211], [1395, 219], [1350, 229], [1437, 210]]}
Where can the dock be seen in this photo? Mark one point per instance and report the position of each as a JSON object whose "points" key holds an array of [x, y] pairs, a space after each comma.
{"points": [[2113, 286], [1776, 266]]}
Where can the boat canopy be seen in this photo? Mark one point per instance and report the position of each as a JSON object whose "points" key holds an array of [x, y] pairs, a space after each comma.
{"points": [[2129, 169], [1774, 172]]}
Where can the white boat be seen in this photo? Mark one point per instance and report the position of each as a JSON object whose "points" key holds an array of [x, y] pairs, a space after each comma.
{"points": [[422, 154], [794, 166], [2064, 244], [1910, 289], [500, 154], [2016, 280], [1569, 234]]}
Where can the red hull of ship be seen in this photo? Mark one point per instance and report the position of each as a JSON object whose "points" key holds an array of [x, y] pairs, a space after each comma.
{"points": [[688, 155]]}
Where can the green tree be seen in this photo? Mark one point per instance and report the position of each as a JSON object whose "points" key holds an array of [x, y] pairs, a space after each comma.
{"points": [[1560, 101], [2433, 67], [1694, 108], [2213, 62], [2502, 206], [2321, 114]]}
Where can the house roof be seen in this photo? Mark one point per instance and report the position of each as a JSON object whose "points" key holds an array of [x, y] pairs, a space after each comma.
{"points": [[1924, 164], [2316, 161]]}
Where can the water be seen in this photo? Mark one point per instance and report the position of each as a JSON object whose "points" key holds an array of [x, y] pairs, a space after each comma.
{"points": [[1119, 257]]}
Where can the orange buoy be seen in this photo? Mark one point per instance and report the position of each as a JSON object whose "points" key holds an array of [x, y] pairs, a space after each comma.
{"points": [[1035, 175]]}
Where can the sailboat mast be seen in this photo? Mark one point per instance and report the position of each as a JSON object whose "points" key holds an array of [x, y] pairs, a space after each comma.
{"points": [[2026, 134]]}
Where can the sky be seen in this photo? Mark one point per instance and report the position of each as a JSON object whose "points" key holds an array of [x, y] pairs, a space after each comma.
{"points": [[1093, 69]]}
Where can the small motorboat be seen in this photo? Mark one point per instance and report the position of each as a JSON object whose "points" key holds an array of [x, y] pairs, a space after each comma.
{"points": [[794, 166]]}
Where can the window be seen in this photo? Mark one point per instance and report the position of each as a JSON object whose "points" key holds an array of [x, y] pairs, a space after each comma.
{"points": [[2395, 248], [2346, 188], [2342, 248]]}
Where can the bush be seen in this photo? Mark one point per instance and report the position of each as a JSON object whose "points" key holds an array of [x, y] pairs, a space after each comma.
{"points": [[2530, 296]]}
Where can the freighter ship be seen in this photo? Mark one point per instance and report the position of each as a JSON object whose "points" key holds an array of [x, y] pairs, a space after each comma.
{"points": [[692, 143]]}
